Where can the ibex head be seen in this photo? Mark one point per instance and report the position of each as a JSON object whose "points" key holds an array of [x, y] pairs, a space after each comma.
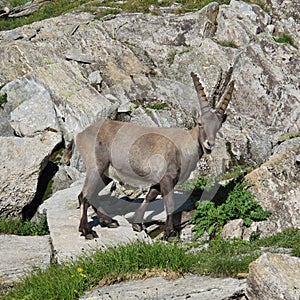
{"points": [[209, 121]]}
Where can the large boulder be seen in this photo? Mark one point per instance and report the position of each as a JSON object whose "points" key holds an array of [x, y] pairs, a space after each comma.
{"points": [[30, 107], [63, 216], [20, 254], [22, 162], [274, 276], [276, 186]]}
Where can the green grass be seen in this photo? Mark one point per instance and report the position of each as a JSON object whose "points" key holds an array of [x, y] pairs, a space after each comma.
{"points": [[16, 226], [221, 258], [15, 3], [100, 9], [49, 10], [285, 39]]}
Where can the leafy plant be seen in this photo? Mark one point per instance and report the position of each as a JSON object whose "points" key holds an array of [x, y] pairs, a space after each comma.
{"points": [[16, 226], [240, 204]]}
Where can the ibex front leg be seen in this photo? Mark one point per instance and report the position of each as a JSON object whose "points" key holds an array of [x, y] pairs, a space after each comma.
{"points": [[84, 227], [92, 185], [167, 191]]}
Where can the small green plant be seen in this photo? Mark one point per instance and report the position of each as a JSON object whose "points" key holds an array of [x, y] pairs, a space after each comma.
{"points": [[16, 226], [3, 100], [285, 39], [201, 182], [235, 172], [240, 204], [171, 57], [229, 44], [158, 105], [150, 104]]}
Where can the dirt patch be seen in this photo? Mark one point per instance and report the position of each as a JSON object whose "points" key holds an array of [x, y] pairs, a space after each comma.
{"points": [[141, 275]]}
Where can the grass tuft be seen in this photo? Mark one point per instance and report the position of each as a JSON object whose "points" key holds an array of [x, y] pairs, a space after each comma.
{"points": [[16, 226]]}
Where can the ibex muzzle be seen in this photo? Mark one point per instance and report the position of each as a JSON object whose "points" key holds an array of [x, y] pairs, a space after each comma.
{"points": [[157, 158]]}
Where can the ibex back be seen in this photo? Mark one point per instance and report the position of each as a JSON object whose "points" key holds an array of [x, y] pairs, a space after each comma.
{"points": [[158, 158]]}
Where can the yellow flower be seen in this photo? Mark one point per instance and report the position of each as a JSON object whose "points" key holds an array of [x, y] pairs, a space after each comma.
{"points": [[79, 270], [82, 275], [75, 291]]}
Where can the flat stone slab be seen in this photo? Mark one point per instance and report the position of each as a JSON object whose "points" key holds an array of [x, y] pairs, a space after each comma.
{"points": [[63, 220], [189, 287], [19, 254]]}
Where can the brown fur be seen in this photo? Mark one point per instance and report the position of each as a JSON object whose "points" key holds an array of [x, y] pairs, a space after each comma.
{"points": [[143, 156]]}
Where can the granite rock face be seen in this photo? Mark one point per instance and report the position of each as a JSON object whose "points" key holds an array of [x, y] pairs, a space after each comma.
{"points": [[59, 75], [63, 74]]}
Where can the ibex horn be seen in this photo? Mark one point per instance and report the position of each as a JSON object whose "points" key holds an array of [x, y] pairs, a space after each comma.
{"points": [[225, 101], [204, 105]]}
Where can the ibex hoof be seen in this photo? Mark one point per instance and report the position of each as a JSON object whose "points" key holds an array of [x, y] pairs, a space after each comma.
{"points": [[88, 234], [91, 235], [110, 224], [113, 224], [171, 236], [138, 227]]}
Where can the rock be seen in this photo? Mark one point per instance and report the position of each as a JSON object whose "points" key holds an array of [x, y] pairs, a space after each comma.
{"points": [[19, 254], [285, 15], [77, 106], [5, 127], [276, 186], [21, 169], [274, 276], [26, 9], [5, 8], [208, 20], [63, 220], [145, 57], [233, 229], [290, 143], [189, 287], [240, 22], [35, 113], [77, 55]]}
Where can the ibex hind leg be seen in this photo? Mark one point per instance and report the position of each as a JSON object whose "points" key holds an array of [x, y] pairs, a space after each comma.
{"points": [[104, 219], [137, 224], [92, 186]]}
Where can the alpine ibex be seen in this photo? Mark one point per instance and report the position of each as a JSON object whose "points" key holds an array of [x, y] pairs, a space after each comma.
{"points": [[158, 158]]}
